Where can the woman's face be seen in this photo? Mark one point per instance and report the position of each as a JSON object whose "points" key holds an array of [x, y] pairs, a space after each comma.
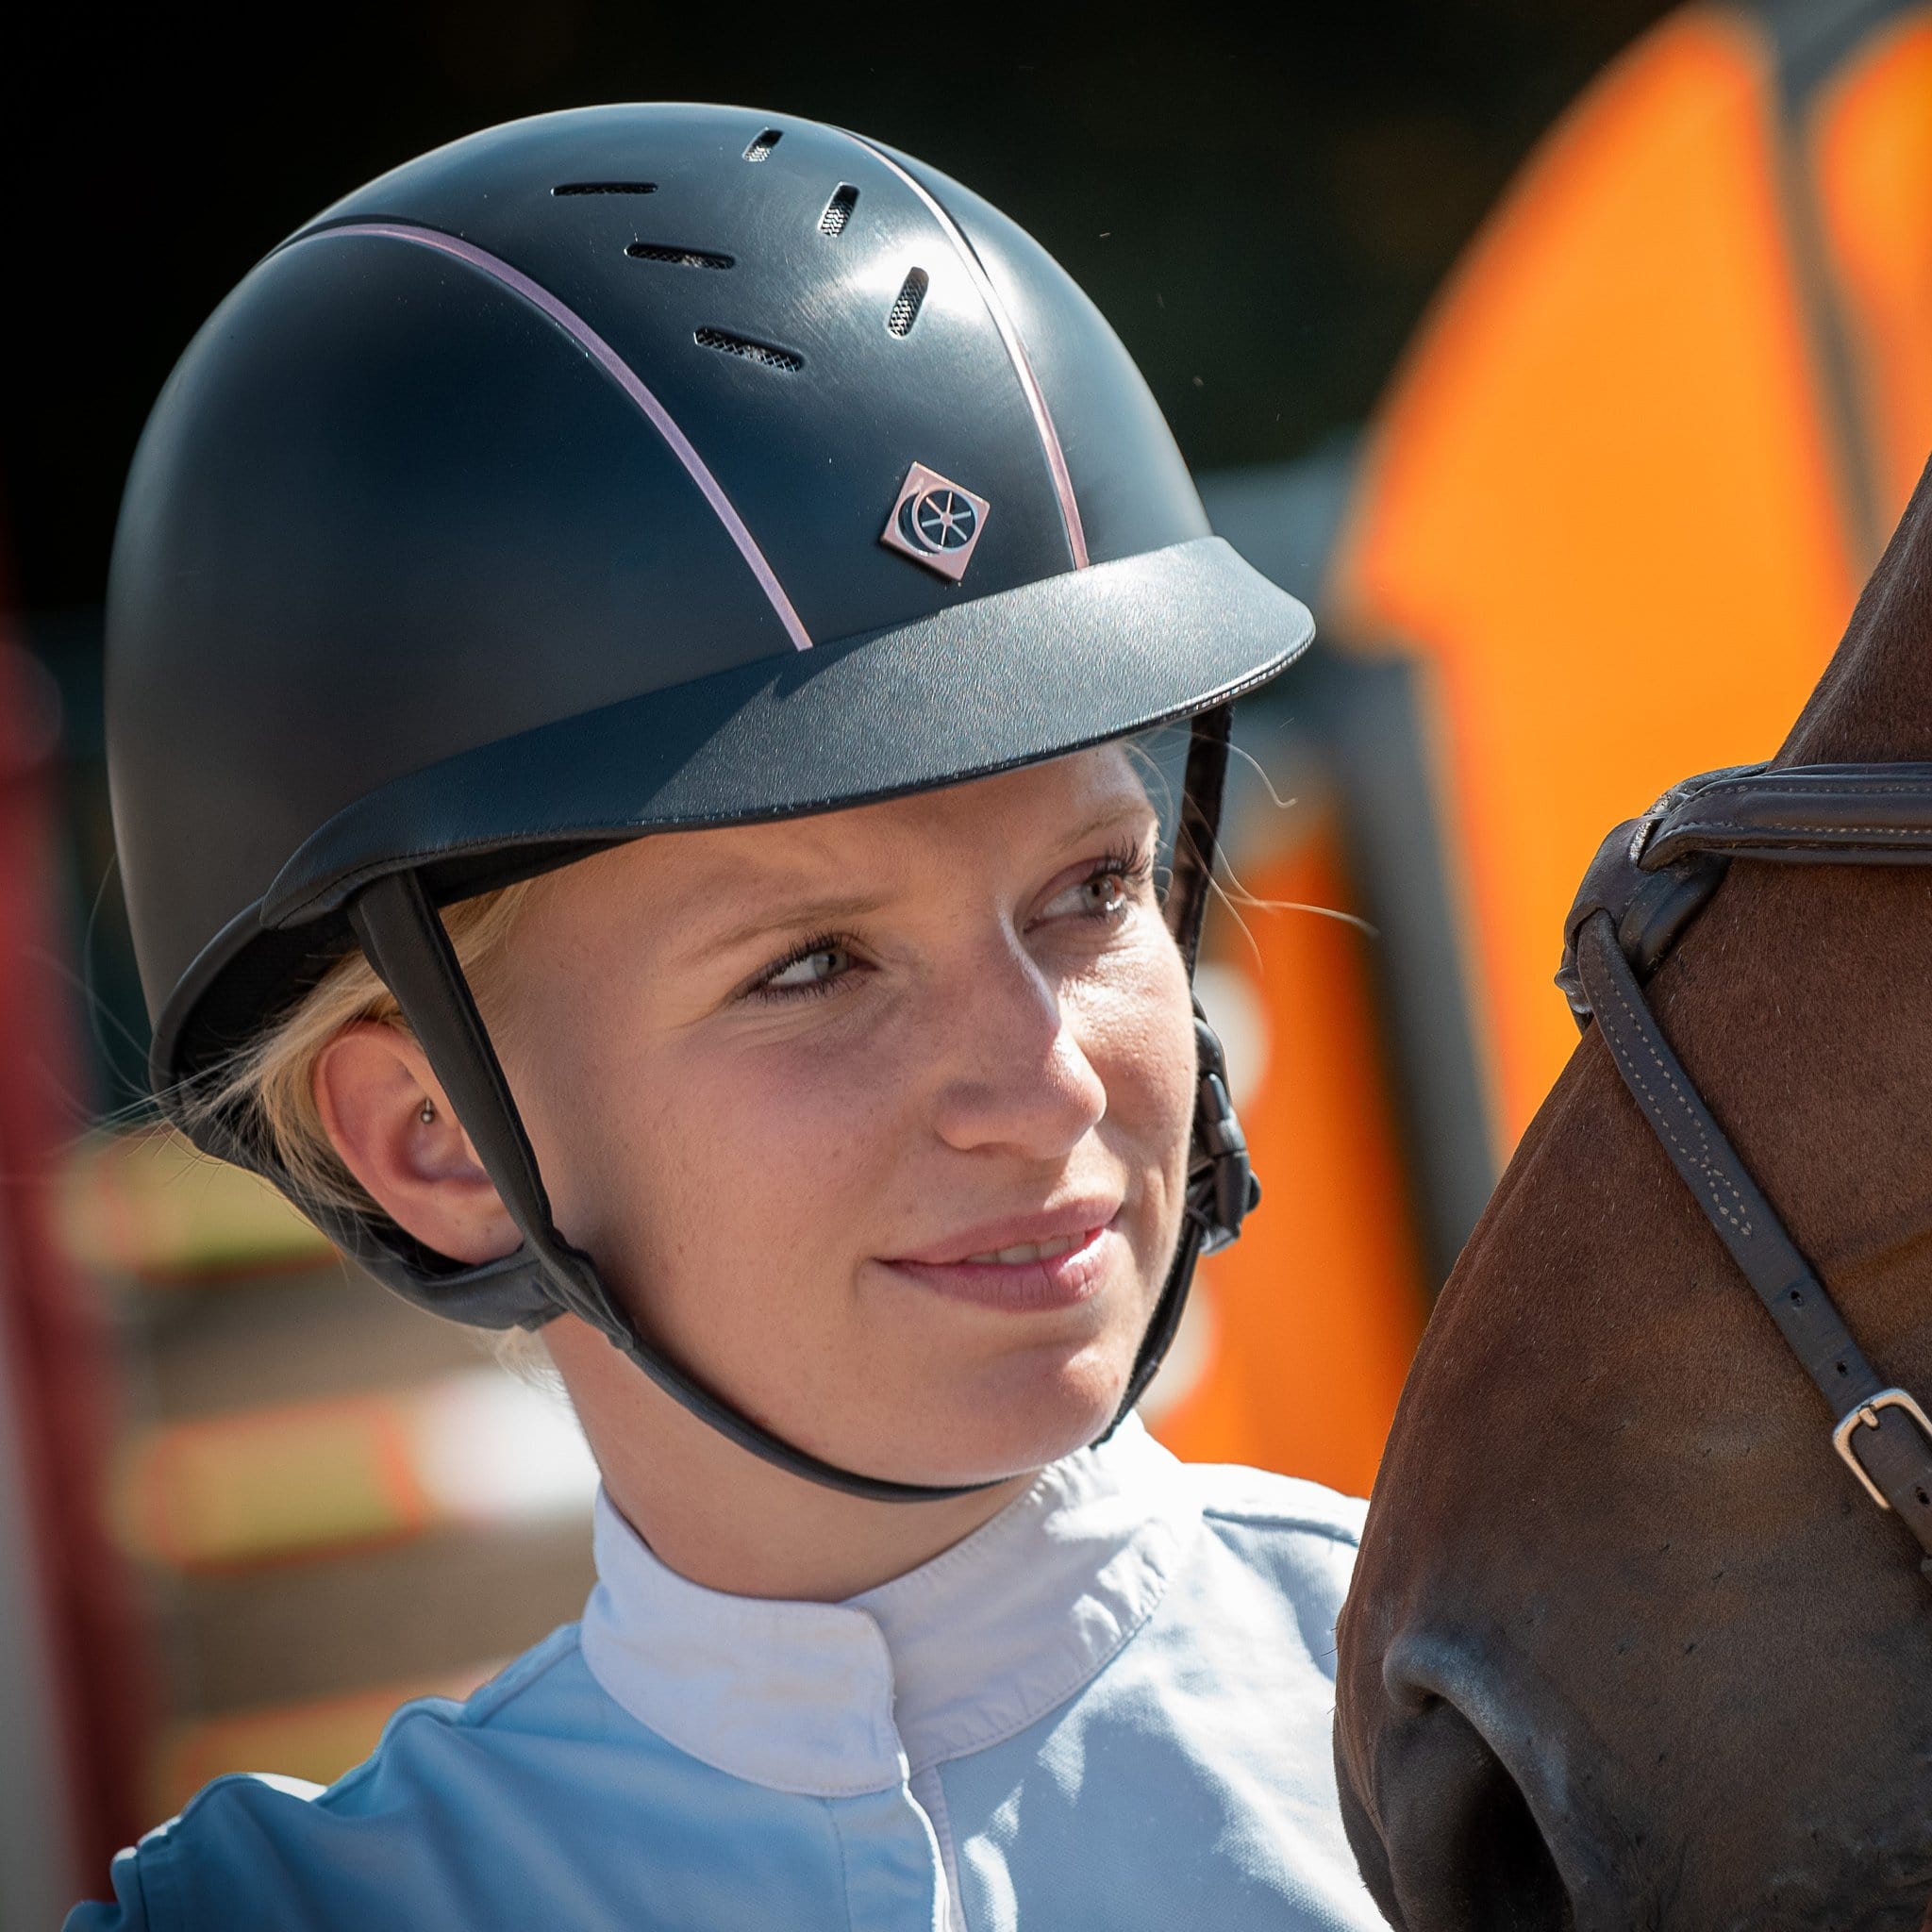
{"points": [[878, 1121]]}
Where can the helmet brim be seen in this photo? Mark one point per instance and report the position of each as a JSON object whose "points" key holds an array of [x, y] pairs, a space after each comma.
{"points": [[986, 686]]}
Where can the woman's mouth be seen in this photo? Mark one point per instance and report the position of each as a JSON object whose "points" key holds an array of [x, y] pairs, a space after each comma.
{"points": [[1030, 1251], [1058, 1268]]}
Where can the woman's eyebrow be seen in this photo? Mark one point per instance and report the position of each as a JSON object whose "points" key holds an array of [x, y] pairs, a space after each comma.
{"points": [[1118, 813], [785, 915], [778, 913]]}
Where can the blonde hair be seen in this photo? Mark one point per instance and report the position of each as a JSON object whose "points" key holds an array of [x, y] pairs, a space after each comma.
{"points": [[267, 1091], [270, 1085]]}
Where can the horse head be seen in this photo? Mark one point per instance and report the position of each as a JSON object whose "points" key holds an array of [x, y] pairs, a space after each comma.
{"points": [[1628, 1642]]}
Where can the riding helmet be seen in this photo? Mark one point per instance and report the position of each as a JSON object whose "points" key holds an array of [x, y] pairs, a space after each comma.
{"points": [[609, 473]]}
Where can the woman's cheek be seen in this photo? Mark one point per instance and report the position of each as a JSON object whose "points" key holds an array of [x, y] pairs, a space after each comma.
{"points": [[795, 1133], [1143, 1029], [738, 1212]]}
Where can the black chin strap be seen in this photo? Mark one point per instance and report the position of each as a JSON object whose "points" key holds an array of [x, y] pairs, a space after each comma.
{"points": [[407, 944], [1222, 1188]]}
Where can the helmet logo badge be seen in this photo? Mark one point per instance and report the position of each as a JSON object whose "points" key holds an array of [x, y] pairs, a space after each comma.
{"points": [[935, 521]]}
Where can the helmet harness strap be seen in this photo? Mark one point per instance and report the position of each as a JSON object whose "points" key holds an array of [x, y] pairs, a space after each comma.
{"points": [[1222, 1189], [408, 946]]}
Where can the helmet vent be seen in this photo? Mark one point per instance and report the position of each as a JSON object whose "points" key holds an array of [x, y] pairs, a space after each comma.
{"points": [[753, 352], [905, 310], [764, 144], [606, 188], [677, 258], [839, 211]]}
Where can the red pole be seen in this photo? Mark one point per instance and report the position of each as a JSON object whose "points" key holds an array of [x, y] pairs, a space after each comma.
{"points": [[56, 1345]]}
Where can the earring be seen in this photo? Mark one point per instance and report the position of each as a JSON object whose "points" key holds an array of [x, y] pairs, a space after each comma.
{"points": [[429, 1112]]}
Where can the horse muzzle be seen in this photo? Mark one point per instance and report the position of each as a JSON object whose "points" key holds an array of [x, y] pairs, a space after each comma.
{"points": [[1469, 1812]]}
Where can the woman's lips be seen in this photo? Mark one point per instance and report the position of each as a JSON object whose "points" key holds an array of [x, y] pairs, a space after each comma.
{"points": [[1053, 1269]]}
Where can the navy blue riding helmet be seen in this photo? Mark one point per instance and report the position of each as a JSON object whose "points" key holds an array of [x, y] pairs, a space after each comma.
{"points": [[609, 473]]}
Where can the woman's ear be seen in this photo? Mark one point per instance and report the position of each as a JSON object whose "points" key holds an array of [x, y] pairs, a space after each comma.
{"points": [[372, 1088]]}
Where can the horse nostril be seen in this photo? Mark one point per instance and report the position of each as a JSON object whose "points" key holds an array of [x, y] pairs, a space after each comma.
{"points": [[1465, 1853]]}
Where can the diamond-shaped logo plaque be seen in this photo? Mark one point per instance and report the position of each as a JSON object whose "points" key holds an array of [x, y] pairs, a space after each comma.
{"points": [[935, 521]]}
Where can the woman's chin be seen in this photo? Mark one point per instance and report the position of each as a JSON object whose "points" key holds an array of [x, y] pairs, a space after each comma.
{"points": [[1011, 1431]]}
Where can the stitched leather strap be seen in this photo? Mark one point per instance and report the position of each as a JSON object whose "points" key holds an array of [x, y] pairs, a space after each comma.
{"points": [[1823, 814], [1891, 1449], [1649, 879], [1653, 874], [1709, 1167]]}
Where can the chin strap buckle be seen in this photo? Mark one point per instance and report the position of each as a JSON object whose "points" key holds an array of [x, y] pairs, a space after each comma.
{"points": [[1222, 1191]]}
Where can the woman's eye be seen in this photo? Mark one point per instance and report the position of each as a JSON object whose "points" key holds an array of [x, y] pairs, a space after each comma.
{"points": [[810, 972], [1104, 893]]}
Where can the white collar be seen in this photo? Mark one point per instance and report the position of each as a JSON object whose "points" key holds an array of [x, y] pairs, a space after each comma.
{"points": [[834, 1699]]}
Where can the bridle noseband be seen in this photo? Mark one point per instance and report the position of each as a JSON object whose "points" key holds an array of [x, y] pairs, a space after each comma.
{"points": [[1649, 879]]}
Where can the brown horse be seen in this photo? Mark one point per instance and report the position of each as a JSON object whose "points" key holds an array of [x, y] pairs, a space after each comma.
{"points": [[1628, 1646]]}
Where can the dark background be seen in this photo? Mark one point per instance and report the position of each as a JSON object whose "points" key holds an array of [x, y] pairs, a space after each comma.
{"points": [[1262, 203]]}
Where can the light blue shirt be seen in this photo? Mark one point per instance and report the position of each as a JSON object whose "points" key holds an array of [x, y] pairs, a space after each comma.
{"points": [[1108, 1707]]}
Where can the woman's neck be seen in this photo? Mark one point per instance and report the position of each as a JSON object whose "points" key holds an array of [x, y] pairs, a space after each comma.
{"points": [[725, 1520], [821, 1549]]}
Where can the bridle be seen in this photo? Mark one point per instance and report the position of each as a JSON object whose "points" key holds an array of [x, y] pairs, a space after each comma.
{"points": [[1650, 879]]}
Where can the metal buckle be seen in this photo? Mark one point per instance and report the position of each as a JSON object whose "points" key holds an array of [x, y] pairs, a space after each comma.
{"points": [[1866, 1416]]}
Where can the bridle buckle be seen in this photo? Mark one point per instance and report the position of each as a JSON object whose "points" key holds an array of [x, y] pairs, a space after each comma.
{"points": [[1865, 1415]]}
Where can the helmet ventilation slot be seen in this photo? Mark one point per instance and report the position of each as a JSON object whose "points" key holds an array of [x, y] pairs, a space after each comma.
{"points": [[606, 188], [762, 353], [764, 144], [677, 258], [905, 310], [839, 209]]}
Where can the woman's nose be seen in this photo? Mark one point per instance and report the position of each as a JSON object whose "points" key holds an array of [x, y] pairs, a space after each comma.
{"points": [[1013, 1072]]}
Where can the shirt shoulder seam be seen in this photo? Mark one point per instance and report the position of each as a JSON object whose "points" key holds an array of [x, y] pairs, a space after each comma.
{"points": [[474, 1713], [1268, 1518], [509, 1683], [154, 1886]]}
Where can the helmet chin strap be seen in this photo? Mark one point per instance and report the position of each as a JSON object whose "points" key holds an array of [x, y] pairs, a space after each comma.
{"points": [[407, 944]]}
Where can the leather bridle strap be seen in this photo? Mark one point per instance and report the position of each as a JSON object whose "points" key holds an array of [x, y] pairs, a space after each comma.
{"points": [[1889, 1450], [1649, 879]]}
